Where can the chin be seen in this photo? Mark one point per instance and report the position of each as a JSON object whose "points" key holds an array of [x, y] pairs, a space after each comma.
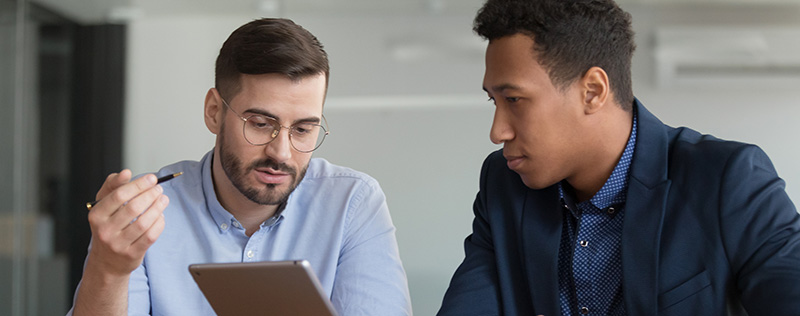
{"points": [[537, 183]]}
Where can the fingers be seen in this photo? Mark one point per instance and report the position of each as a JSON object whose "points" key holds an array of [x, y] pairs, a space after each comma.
{"points": [[149, 237], [121, 195], [126, 222], [134, 207], [112, 182], [139, 228]]}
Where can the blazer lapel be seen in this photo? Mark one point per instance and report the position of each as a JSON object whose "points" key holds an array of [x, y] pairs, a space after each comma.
{"points": [[644, 214], [541, 237]]}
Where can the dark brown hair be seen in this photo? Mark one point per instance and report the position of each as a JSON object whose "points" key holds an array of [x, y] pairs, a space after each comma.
{"points": [[268, 46], [570, 36]]}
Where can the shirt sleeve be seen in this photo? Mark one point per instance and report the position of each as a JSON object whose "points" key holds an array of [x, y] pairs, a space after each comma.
{"points": [[370, 279], [761, 233], [138, 292]]}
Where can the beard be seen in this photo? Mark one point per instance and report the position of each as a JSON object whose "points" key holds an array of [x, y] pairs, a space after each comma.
{"points": [[263, 194]]}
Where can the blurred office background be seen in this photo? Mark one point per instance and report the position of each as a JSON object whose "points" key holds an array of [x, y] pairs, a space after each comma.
{"points": [[88, 87]]}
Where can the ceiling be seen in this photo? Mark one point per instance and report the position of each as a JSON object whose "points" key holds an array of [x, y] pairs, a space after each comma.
{"points": [[101, 11]]}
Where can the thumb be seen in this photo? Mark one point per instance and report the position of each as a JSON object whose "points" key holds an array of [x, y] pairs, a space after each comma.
{"points": [[113, 181]]}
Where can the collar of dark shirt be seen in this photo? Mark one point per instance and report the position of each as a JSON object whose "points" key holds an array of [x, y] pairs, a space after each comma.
{"points": [[609, 195]]}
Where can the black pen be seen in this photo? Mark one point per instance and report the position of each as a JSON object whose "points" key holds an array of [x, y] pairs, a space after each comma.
{"points": [[166, 178]]}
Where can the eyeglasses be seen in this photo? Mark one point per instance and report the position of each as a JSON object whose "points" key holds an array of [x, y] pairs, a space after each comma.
{"points": [[261, 130]]}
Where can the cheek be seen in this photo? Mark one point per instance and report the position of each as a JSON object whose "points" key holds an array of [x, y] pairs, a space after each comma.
{"points": [[301, 159], [234, 144]]}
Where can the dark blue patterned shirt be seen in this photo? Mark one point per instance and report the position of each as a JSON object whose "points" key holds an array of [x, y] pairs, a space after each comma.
{"points": [[589, 258]]}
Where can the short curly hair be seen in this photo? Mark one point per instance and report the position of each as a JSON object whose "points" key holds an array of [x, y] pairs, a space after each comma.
{"points": [[570, 36]]}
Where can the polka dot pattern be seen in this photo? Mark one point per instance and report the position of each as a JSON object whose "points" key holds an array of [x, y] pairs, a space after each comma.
{"points": [[589, 259]]}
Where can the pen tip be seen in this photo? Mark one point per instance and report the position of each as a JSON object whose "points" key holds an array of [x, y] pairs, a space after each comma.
{"points": [[177, 174]]}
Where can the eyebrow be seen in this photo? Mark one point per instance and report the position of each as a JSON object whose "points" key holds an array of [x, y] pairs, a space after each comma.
{"points": [[503, 87], [312, 119]]}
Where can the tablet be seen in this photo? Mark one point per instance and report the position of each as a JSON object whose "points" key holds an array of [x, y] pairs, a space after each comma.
{"points": [[262, 288]]}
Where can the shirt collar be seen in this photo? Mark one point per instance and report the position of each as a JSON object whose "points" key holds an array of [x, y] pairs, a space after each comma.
{"points": [[615, 190]]}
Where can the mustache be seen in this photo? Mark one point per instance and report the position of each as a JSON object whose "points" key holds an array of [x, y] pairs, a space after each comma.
{"points": [[269, 163]]}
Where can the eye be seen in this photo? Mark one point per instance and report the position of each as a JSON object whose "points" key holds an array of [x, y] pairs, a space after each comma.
{"points": [[260, 122], [302, 129], [512, 99]]}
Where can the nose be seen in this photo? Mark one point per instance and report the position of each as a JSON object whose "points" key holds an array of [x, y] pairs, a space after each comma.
{"points": [[501, 131], [280, 148]]}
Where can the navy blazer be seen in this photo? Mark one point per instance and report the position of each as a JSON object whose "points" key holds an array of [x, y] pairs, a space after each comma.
{"points": [[708, 230]]}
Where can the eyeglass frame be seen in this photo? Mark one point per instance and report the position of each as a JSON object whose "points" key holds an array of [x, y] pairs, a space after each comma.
{"points": [[277, 131]]}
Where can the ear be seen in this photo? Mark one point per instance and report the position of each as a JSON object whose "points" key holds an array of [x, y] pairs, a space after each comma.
{"points": [[213, 110], [596, 89]]}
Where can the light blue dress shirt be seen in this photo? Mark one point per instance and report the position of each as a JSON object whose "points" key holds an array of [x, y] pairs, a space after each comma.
{"points": [[337, 219]]}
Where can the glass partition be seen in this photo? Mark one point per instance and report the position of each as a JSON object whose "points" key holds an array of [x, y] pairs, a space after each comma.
{"points": [[35, 59]]}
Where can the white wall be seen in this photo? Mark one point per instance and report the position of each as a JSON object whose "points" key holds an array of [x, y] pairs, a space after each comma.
{"points": [[415, 117]]}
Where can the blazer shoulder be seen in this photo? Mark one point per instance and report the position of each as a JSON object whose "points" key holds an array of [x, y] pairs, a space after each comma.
{"points": [[692, 153], [690, 144]]}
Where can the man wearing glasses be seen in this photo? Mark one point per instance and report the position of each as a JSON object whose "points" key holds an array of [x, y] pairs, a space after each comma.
{"points": [[257, 196]]}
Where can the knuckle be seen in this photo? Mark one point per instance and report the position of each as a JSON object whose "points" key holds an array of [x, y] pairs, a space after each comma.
{"points": [[139, 225], [93, 219], [153, 192], [144, 182], [150, 238], [118, 196], [117, 248], [103, 236], [155, 231], [131, 210]]}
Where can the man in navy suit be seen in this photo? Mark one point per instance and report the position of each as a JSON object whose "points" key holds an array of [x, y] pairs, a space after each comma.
{"points": [[595, 207]]}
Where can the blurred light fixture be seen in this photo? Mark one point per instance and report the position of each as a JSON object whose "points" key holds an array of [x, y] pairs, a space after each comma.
{"points": [[269, 7], [725, 55]]}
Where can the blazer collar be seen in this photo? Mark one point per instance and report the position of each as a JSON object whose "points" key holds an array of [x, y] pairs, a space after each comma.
{"points": [[541, 236], [644, 213]]}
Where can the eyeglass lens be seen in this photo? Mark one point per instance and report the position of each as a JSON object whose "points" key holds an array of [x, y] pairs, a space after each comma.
{"points": [[305, 137]]}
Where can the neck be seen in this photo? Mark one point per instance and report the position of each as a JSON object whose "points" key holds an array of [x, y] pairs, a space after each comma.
{"points": [[247, 212], [605, 142]]}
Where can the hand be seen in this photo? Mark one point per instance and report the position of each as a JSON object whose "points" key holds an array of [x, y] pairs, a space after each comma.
{"points": [[125, 222]]}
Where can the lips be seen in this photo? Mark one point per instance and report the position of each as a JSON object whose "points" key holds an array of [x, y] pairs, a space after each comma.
{"points": [[513, 162], [271, 176]]}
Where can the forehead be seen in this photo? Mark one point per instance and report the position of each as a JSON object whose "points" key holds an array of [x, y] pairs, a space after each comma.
{"points": [[281, 95], [512, 58]]}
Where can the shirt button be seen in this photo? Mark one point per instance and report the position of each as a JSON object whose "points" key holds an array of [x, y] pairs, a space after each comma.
{"points": [[611, 210], [584, 243], [250, 254], [223, 226], [584, 310], [237, 225]]}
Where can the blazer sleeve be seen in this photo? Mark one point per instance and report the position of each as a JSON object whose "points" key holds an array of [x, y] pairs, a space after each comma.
{"points": [[761, 234], [473, 289]]}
